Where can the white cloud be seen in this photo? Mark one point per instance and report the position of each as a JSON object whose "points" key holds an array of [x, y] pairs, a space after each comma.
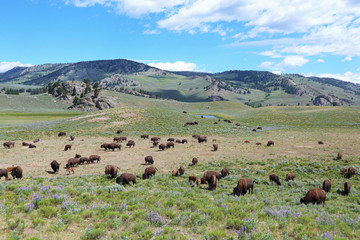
{"points": [[347, 59], [151, 32], [348, 76], [5, 66], [266, 65], [293, 62], [320, 60], [176, 66]]}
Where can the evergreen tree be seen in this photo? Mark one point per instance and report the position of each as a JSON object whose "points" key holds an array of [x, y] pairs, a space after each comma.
{"points": [[76, 100], [96, 92], [74, 92]]}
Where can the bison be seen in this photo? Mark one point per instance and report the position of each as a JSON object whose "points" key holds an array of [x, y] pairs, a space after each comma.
{"points": [[212, 182], [247, 141], [111, 170], [72, 138], [339, 156], [175, 172], [178, 141], [195, 161], [17, 172], [344, 172], [60, 134], [208, 174], [25, 144], [77, 155], [237, 124], [55, 166], [244, 184], [149, 171], [73, 162], [70, 169], [84, 160], [4, 173], [117, 139], [144, 136], [275, 178], [126, 178], [347, 188], [67, 147], [9, 144], [313, 196], [351, 172], [196, 136], [290, 176], [202, 139], [224, 172], [93, 158], [270, 143], [119, 131], [192, 178], [170, 145], [215, 146], [153, 139], [184, 141], [326, 185], [105, 146], [162, 146], [130, 143], [170, 140], [36, 140], [32, 145], [181, 170], [320, 142], [258, 144], [155, 143], [149, 160], [114, 146]]}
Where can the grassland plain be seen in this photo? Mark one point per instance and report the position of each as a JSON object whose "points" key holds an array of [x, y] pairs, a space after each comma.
{"points": [[88, 205]]}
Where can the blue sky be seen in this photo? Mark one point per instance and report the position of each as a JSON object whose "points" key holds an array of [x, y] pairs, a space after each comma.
{"points": [[280, 36]]}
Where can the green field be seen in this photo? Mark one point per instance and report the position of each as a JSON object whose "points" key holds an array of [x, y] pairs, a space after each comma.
{"points": [[89, 205]]}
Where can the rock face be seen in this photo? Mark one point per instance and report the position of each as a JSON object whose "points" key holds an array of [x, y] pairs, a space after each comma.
{"points": [[326, 100], [214, 98], [105, 103]]}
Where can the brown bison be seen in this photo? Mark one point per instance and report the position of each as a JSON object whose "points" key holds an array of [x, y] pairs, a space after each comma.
{"points": [[237, 124], [25, 144], [175, 172], [32, 145], [60, 134], [126, 178], [254, 130], [215, 122], [67, 147], [4, 173], [70, 169], [259, 127], [178, 141], [275, 178], [196, 136], [215, 146], [313, 196], [184, 141], [212, 182], [84, 160], [144, 136], [170, 140], [119, 131], [192, 178], [55, 166], [114, 146], [195, 161], [72, 138], [326, 185], [258, 144], [73, 162], [149, 171], [208, 174], [290, 176], [198, 182], [224, 172], [339, 156], [155, 143], [270, 143], [351, 172], [321, 142], [123, 138], [17, 172], [181, 170], [170, 145], [247, 141], [344, 172], [149, 160], [9, 144], [244, 184], [36, 140], [153, 139], [93, 158], [111, 170], [202, 139], [347, 188], [77, 155], [117, 139], [162, 146], [130, 143]]}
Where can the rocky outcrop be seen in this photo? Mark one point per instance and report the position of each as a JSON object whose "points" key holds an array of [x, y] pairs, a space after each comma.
{"points": [[105, 103], [327, 100], [214, 98]]}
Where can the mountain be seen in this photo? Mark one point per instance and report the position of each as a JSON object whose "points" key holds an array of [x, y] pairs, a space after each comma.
{"points": [[254, 88]]}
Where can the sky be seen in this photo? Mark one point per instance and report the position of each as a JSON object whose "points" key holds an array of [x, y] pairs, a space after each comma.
{"points": [[312, 38]]}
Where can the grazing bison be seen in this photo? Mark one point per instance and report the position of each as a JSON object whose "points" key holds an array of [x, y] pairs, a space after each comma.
{"points": [[313, 196], [113, 146], [84, 160], [344, 172], [153, 139], [126, 178], [351, 172], [244, 184], [347, 188], [224, 172], [130, 143], [196, 136], [212, 182], [36, 140], [208, 174], [237, 124], [149, 160], [320, 142], [55, 166], [60, 134], [144, 136], [25, 144], [184, 111], [149, 171], [198, 182], [93, 158], [275, 178], [72, 138], [77, 155], [178, 141], [162, 146], [192, 178], [184, 141], [123, 138], [155, 143], [247, 141], [339, 156], [270, 143], [73, 162], [258, 144], [170, 140], [215, 122], [105, 146], [290, 176], [170, 145], [195, 161], [70, 169], [259, 127], [117, 139], [17, 172], [215, 146], [32, 145], [111, 170], [119, 131], [254, 130], [175, 172], [326, 185], [202, 139], [181, 170], [9, 144], [4, 173], [67, 147]]}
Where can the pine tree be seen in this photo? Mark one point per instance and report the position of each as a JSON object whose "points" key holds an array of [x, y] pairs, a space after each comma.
{"points": [[76, 100], [74, 91]]}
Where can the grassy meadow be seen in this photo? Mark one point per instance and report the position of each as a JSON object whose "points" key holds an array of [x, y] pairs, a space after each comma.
{"points": [[89, 205]]}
